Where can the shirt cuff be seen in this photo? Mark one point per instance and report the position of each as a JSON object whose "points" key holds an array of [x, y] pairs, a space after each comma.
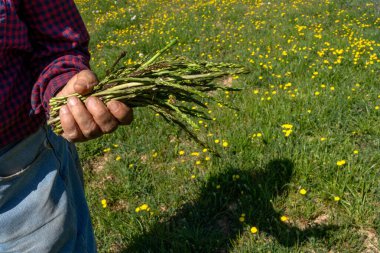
{"points": [[54, 86]]}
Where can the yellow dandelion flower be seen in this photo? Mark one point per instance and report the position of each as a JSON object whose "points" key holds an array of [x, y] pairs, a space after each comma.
{"points": [[193, 176], [287, 126], [317, 93], [284, 218], [217, 141], [288, 132], [377, 107], [106, 150], [323, 138], [181, 152], [137, 209], [198, 162], [341, 162], [254, 230], [303, 191], [225, 144], [336, 198], [155, 154], [104, 203], [144, 207], [118, 158], [195, 153]]}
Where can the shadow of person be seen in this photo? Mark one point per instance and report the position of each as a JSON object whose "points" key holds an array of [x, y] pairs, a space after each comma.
{"points": [[211, 223]]}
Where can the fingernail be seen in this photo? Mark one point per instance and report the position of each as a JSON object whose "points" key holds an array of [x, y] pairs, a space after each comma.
{"points": [[72, 101], [64, 110], [113, 106], [91, 101], [89, 86]]}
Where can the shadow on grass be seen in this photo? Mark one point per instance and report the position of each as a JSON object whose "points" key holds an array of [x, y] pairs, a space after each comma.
{"points": [[211, 223]]}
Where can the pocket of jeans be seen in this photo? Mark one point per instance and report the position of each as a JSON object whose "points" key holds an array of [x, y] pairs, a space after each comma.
{"points": [[18, 159], [20, 171], [37, 197]]}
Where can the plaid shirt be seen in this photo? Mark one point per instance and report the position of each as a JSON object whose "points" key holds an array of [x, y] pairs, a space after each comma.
{"points": [[43, 43]]}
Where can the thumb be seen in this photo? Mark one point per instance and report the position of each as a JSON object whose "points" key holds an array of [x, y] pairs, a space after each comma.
{"points": [[81, 83]]}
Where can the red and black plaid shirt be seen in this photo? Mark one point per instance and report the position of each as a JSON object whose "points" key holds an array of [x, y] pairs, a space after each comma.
{"points": [[43, 43]]}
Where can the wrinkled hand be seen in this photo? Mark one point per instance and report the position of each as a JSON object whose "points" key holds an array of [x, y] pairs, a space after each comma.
{"points": [[84, 121]]}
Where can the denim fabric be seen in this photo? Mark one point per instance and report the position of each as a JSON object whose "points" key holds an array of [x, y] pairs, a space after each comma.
{"points": [[42, 202]]}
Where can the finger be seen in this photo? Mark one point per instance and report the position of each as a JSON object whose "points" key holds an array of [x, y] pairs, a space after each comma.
{"points": [[81, 83], [121, 112], [101, 115], [83, 118], [84, 82], [71, 130]]}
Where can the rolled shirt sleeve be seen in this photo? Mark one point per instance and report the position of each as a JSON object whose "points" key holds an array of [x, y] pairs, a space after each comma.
{"points": [[59, 41]]}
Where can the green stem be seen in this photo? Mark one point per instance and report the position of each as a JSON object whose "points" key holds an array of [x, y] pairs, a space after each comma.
{"points": [[158, 54]]}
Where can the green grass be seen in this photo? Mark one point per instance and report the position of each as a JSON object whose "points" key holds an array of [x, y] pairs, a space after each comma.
{"points": [[314, 65]]}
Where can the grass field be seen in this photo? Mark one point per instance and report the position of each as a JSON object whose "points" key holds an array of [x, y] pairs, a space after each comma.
{"points": [[300, 164]]}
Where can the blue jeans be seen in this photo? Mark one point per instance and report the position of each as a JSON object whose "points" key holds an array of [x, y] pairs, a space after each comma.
{"points": [[42, 202]]}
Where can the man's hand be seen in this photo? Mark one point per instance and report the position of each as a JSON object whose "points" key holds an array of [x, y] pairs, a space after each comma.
{"points": [[88, 120]]}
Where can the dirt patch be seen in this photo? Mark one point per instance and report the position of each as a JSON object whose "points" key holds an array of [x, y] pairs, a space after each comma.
{"points": [[227, 81], [97, 164], [121, 205], [95, 169], [304, 224], [115, 248], [371, 242], [224, 225], [321, 220]]}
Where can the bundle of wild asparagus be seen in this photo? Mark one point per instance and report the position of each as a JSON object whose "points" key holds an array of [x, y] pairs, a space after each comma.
{"points": [[169, 87]]}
